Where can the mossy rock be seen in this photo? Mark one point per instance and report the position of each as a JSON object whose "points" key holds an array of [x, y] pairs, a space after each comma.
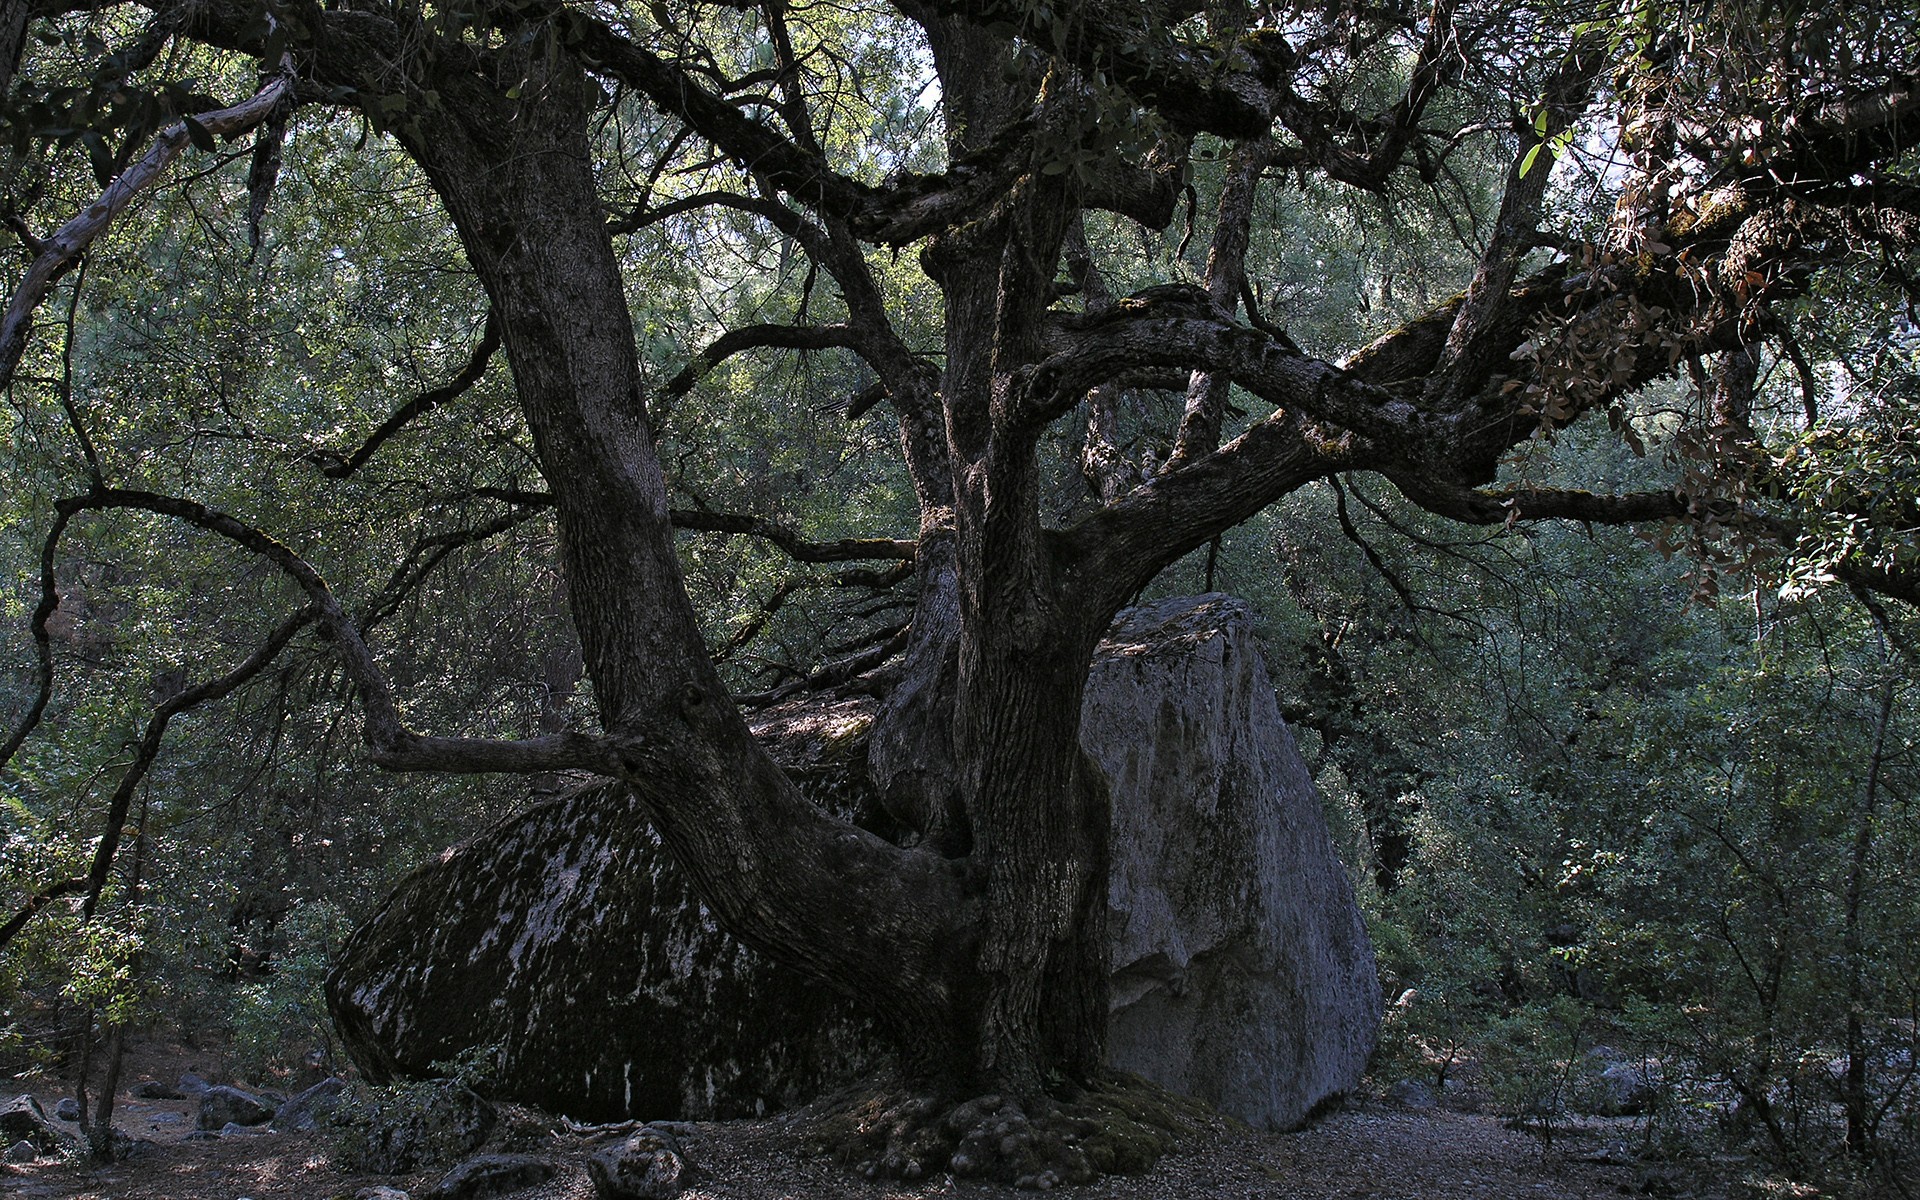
{"points": [[410, 1127]]}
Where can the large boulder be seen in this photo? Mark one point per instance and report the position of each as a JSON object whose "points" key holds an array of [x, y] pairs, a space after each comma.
{"points": [[566, 952], [1242, 971], [568, 949]]}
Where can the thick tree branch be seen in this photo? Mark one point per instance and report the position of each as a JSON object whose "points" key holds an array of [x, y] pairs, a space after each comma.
{"points": [[642, 216], [60, 251], [39, 900], [1142, 338], [1109, 556], [1500, 507], [1227, 90], [1474, 334], [905, 211], [1364, 153], [1207, 392], [756, 337]]}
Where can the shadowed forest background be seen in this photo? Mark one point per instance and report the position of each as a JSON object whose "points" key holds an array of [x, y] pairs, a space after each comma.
{"points": [[1647, 785]]}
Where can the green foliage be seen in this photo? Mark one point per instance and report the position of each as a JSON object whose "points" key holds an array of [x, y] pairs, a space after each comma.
{"points": [[280, 1019], [1672, 828]]}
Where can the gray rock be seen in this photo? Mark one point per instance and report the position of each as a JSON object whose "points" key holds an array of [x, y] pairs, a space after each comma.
{"points": [[190, 1085], [22, 1114], [226, 1105], [235, 1129], [1243, 974], [380, 1193], [305, 1109], [153, 1089], [22, 1151], [414, 1128], [1243, 970], [568, 942], [491, 1175], [68, 1109], [202, 1135], [1624, 1089], [162, 1120], [22, 1118], [649, 1165], [1413, 1094]]}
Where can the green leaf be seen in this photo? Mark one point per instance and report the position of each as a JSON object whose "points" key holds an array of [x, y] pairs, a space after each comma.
{"points": [[99, 156], [197, 134], [1526, 164]]}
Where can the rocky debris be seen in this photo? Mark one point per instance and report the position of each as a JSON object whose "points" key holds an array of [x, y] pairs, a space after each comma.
{"points": [[649, 1164], [226, 1105], [568, 943], [1242, 970], [305, 1110], [1412, 1094], [491, 1175], [68, 1109], [415, 1127], [153, 1089]]}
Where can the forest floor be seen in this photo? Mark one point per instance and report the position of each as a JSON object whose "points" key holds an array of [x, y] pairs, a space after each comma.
{"points": [[1370, 1149]]}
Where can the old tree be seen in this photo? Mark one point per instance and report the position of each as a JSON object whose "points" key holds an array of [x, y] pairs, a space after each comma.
{"points": [[1645, 190]]}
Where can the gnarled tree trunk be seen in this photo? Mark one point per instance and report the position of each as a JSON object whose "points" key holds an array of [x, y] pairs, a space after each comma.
{"points": [[988, 969]]}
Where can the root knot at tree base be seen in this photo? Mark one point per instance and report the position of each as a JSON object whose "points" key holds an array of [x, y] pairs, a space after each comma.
{"points": [[1117, 1125]]}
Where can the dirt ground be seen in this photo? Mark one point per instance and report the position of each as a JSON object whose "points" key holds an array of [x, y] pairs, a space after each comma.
{"points": [[1369, 1150]]}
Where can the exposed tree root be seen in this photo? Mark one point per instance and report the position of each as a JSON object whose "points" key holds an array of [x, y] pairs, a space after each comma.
{"points": [[1118, 1125]]}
